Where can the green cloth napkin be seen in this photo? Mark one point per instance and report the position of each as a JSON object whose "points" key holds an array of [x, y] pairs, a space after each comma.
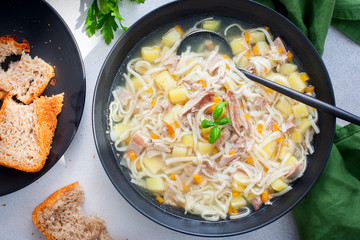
{"points": [[331, 210]]}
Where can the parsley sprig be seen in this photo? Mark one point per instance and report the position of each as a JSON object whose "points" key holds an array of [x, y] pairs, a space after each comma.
{"points": [[215, 130], [103, 16]]}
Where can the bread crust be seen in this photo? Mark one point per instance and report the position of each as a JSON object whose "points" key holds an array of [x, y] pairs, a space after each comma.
{"points": [[49, 203], [46, 111], [11, 39]]}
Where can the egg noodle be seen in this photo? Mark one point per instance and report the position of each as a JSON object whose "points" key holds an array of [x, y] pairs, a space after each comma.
{"points": [[155, 120]]}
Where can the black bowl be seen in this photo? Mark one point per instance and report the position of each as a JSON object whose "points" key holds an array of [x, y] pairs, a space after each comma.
{"points": [[250, 12]]}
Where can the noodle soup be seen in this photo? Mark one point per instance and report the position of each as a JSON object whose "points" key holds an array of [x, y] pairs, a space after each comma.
{"points": [[198, 134]]}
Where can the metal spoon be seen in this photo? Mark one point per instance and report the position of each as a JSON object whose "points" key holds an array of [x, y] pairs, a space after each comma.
{"points": [[200, 35]]}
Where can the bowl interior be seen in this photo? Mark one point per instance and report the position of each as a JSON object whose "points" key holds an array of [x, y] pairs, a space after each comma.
{"points": [[247, 11]]}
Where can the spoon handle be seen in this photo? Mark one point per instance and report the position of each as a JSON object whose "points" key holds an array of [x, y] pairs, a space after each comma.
{"points": [[311, 101]]}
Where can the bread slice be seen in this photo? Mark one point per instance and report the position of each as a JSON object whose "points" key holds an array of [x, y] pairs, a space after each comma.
{"points": [[26, 78], [61, 217], [8, 46], [26, 131]]}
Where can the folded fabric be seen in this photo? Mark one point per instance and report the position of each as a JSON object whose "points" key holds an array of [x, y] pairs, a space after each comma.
{"points": [[331, 210]]}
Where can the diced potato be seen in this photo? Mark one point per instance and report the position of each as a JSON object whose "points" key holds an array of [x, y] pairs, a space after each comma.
{"points": [[256, 36], [238, 183], [171, 37], [136, 82], [284, 107], [283, 151], [153, 164], [188, 140], [205, 148], [278, 78], [238, 202], [165, 81], [296, 136], [304, 125], [170, 116], [262, 48], [150, 53], [238, 45], [279, 185], [296, 83], [229, 84], [179, 151], [178, 95], [269, 149], [300, 110], [250, 196], [291, 161], [211, 25], [155, 184], [288, 68], [206, 131], [243, 62], [121, 128]]}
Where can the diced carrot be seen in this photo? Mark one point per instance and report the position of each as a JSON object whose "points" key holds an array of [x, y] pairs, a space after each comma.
{"points": [[304, 77], [159, 199], [235, 193], [260, 128], [176, 124], [247, 116], [185, 188], [265, 69], [227, 67], [154, 136], [153, 103], [132, 156], [269, 90], [247, 37], [242, 105], [149, 90], [204, 84], [280, 139], [127, 140], [265, 196], [215, 150], [309, 89], [255, 50], [178, 28], [225, 56], [276, 126], [267, 28], [280, 50], [197, 178], [170, 130], [172, 176], [289, 55], [249, 160], [216, 99], [247, 54], [231, 152]]}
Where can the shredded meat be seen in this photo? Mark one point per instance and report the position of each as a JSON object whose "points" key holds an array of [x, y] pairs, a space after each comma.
{"points": [[187, 172], [239, 151], [279, 44], [213, 65], [138, 142], [259, 104], [256, 202], [163, 106], [295, 171], [169, 197], [236, 114], [196, 103], [171, 63], [224, 136], [125, 96], [193, 85]]}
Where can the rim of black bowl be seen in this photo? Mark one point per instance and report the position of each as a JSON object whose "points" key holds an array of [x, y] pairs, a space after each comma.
{"points": [[175, 11]]}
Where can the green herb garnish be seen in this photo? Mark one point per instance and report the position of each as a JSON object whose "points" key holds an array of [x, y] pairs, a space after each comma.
{"points": [[104, 18], [215, 131]]}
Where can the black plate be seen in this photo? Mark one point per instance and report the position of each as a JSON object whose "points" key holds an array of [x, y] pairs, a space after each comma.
{"points": [[51, 40], [250, 12]]}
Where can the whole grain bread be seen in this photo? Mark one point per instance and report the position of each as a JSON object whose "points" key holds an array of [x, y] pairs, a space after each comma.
{"points": [[27, 78], [60, 217], [26, 131]]}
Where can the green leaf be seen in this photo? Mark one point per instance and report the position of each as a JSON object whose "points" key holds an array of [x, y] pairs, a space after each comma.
{"points": [[138, 1], [206, 123], [108, 25], [91, 19], [214, 134], [223, 121], [218, 110]]}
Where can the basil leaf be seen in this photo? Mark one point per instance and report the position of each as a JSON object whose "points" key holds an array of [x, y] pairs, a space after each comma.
{"points": [[206, 123], [223, 121], [218, 110], [214, 134]]}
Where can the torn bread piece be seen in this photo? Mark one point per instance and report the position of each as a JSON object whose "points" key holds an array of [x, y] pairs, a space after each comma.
{"points": [[26, 78], [26, 131], [61, 217]]}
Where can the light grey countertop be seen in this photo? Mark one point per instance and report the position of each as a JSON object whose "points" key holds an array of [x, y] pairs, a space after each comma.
{"points": [[81, 162]]}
